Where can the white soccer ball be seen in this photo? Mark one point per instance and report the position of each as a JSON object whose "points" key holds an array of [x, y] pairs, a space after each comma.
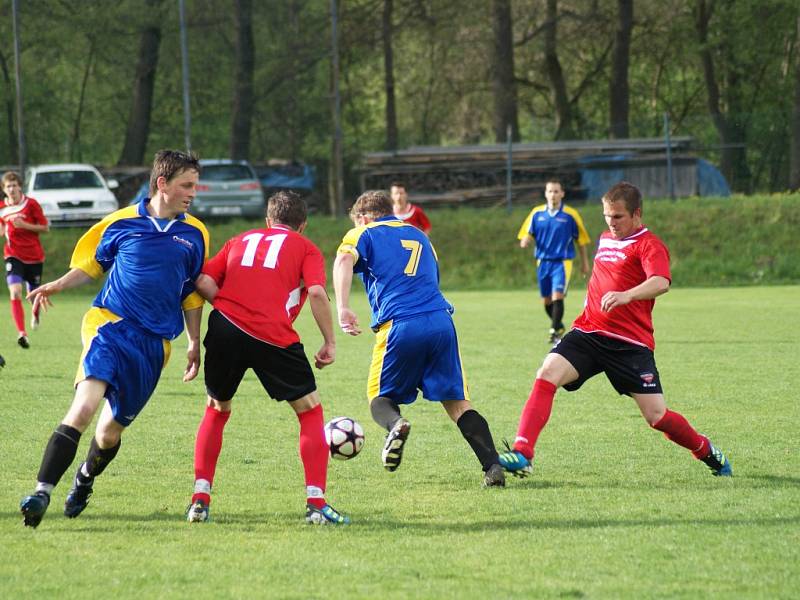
{"points": [[345, 437]]}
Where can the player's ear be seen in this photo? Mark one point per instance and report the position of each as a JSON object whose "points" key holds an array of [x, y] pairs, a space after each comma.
{"points": [[161, 183], [302, 227]]}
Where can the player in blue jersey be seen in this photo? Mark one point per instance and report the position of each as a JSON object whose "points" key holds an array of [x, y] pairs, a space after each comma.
{"points": [[151, 252], [416, 346], [555, 228]]}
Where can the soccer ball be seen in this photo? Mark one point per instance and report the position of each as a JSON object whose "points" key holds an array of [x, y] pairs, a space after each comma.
{"points": [[345, 437]]}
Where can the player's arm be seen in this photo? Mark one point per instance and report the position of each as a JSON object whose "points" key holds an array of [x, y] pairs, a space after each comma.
{"points": [[584, 254], [651, 288], [207, 287], [321, 309], [192, 318], [342, 280], [20, 223], [40, 297]]}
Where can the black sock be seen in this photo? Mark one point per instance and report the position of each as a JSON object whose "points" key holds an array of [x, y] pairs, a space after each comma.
{"points": [[558, 314], [384, 412], [97, 459], [475, 430], [548, 308], [59, 454]]}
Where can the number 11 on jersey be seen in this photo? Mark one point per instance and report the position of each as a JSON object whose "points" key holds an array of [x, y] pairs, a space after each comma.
{"points": [[271, 259]]}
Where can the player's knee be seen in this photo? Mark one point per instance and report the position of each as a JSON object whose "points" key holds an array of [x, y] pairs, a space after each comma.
{"points": [[219, 405]]}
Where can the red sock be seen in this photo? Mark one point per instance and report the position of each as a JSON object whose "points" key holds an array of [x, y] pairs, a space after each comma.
{"points": [[677, 429], [314, 453], [207, 447], [18, 314], [534, 417]]}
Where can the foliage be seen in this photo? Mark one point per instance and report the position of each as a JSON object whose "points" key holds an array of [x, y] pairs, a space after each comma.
{"points": [[613, 510], [441, 70]]}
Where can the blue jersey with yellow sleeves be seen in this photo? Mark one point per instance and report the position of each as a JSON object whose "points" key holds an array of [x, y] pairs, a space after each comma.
{"points": [[399, 268], [151, 265], [554, 234]]}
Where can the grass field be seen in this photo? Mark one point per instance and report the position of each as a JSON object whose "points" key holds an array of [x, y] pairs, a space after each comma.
{"points": [[612, 510]]}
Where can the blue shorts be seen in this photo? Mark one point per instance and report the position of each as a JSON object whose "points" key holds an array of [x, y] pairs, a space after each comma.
{"points": [[417, 353], [553, 276], [127, 358]]}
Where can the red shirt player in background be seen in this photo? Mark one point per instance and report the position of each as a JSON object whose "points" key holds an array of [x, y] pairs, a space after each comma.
{"points": [[258, 283], [22, 220], [404, 210], [614, 335]]}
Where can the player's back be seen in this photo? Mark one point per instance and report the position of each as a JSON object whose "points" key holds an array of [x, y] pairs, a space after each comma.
{"points": [[400, 270], [263, 276]]}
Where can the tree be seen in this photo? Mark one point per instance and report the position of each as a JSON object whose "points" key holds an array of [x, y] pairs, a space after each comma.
{"points": [[555, 74], [619, 93], [504, 88], [794, 160], [242, 112], [729, 124], [388, 70], [144, 79]]}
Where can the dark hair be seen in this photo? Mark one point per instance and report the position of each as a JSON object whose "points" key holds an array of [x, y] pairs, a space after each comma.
{"points": [[373, 203], [12, 176], [627, 193], [170, 163], [397, 184], [287, 208], [554, 180]]}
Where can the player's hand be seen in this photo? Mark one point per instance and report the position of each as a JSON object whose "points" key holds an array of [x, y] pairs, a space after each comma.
{"points": [[348, 321], [612, 300], [325, 356], [40, 297], [193, 364]]}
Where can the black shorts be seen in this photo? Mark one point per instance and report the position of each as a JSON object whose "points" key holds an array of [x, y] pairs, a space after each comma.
{"points": [[284, 372], [630, 368], [31, 273]]}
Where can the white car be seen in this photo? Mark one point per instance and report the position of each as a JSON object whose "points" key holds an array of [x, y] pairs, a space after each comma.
{"points": [[69, 193]]}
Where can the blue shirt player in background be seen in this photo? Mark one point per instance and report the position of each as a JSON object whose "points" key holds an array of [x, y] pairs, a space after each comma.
{"points": [[416, 347], [151, 253], [555, 228]]}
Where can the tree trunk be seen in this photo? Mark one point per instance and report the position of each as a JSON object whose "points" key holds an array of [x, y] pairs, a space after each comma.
{"points": [[794, 159], [502, 66], [556, 75], [733, 156], [13, 155], [143, 85], [388, 74], [619, 93], [75, 151], [242, 112]]}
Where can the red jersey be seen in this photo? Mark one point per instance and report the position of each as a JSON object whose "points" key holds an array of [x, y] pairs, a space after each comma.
{"points": [[415, 216], [20, 243], [263, 277], [620, 265]]}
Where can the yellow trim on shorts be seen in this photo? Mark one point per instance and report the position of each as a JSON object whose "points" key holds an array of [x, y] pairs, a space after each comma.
{"points": [[567, 273], [93, 320], [376, 367]]}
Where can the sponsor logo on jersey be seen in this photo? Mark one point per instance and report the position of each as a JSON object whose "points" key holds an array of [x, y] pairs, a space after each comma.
{"points": [[183, 241]]}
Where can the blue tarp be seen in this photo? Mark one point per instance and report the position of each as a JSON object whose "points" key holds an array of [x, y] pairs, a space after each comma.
{"points": [[596, 181], [710, 182], [291, 176]]}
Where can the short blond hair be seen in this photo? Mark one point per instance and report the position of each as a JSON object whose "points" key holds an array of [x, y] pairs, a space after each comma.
{"points": [[374, 204]]}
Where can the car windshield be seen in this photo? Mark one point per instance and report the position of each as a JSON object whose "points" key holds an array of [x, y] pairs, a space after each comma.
{"points": [[64, 180], [225, 173]]}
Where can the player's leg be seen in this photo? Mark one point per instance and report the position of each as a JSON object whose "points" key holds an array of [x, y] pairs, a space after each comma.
{"points": [[476, 431], [102, 450], [33, 279], [62, 448], [545, 286], [559, 277], [569, 362], [315, 454], [15, 271], [223, 369], [677, 429], [398, 361]]}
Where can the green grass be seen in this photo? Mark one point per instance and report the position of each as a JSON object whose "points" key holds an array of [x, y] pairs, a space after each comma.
{"points": [[612, 510]]}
